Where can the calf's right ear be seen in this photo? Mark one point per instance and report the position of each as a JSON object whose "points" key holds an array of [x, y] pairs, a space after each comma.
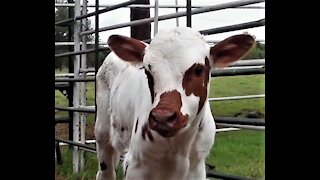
{"points": [[128, 49], [231, 49]]}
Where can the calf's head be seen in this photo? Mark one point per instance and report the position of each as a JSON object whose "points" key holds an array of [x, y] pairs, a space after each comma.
{"points": [[177, 64]]}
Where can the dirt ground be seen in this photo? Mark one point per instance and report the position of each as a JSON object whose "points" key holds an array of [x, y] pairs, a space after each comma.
{"points": [[62, 131]]}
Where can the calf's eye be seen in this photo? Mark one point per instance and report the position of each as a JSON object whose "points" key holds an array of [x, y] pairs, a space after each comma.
{"points": [[198, 70]]}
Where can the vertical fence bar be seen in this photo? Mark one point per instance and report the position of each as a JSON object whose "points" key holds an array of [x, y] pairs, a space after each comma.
{"points": [[58, 154], [96, 46], [76, 88], [83, 98], [70, 65], [177, 10], [188, 13], [156, 16]]}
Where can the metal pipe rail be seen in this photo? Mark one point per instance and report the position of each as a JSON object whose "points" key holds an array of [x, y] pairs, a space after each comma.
{"points": [[72, 43], [79, 109], [236, 72], [252, 62], [147, 41], [72, 74], [227, 129], [216, 41], [218, 175], [240, 121], [240, 67], [235, 27], [152, 6], [62, 120], [75, 144], [215, 73], [175, 15], [79, 52], [236, 97], [61, 85], [258, 128], [87, 70], [91, 141], [110, 8], [223, 29], [88, 79]]}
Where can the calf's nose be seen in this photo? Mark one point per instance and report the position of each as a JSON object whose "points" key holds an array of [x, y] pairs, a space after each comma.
{"points": [[162, 115]]}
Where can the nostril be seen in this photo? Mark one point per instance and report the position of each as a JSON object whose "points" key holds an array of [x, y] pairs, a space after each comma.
{"points": [[153, 114], [160, 115], [172, 117]]}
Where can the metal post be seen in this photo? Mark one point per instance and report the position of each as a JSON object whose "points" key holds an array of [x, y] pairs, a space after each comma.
{"points": [[96, 46], [177, 10], [76, 89], [188, 13], [140, 32], [70, 65], [156, 16], [58, 154], [83, 95]]}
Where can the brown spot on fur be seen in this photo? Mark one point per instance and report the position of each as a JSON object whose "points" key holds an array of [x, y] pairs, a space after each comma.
{"points": [[150, 83], [195, 83], [103, 166]]}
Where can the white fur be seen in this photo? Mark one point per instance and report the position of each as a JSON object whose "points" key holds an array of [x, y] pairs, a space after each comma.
{"points": [[123, 96]]}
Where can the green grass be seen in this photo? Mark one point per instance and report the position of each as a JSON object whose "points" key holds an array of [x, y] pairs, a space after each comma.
{"points": [[239, 152], [91, 166], [65, 170], [62, 101], [237, 86]]}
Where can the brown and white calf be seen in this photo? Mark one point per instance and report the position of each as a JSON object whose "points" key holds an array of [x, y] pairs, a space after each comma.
{"points": [[152, 104]]}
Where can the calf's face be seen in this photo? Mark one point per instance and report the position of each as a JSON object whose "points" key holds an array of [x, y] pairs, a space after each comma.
{"points": [[177, 64]]}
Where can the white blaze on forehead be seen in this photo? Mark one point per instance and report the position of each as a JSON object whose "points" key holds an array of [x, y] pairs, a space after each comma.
{"points": [[171, 54]]}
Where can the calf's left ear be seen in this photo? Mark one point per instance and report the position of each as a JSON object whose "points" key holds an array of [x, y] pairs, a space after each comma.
{"points": [[231, 49], [128, 49]]}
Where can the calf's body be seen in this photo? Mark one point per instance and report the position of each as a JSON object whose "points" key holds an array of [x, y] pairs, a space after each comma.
{"points": [[152, 104]]}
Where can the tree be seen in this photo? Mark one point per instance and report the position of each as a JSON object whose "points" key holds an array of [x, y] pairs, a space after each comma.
{"points": [[257, 52], [61, 35]]}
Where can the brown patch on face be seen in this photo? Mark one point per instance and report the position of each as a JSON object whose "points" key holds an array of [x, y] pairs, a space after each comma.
{"points": [[195, 81], [169, 102], [150, 83]]}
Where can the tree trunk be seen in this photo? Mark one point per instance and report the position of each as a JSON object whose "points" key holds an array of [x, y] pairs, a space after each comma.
{"points": [[143, 31]]}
